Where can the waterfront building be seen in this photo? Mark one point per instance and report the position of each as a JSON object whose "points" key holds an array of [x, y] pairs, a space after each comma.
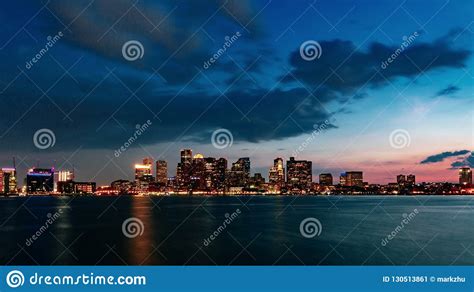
{"points": [[40, 181], [84, 187], [411, 180], [465, 176], [354, 179], [121, 186], [276, 175], [198, 173], [183, 170], [299, 174], [144, 174], [343, 179], [62, 176], [239, 173], [161, 172], [8, 181], [64, 187], [325, 179], [257, 181], [401, 179], [72, 187], [220, 173]]}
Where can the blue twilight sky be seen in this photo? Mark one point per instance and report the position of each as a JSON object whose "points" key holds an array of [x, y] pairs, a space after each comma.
{"points": [[261, 89]]}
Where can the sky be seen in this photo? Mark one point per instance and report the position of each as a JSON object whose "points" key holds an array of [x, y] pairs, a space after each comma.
{"points": [[380, 86]]}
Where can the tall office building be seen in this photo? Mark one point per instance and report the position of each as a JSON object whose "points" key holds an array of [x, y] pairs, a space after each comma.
{"points": [[221, 172], [184, 169], [2, 182], [210, 173], [354, 179], [149, 162], [198, 173], [8, 183], [143, 173], [186, 155], [62, 176], [325, 179], [40, 180], [161, 172], [299, 174], [239, 173], [401, 179], [276, 174], [465, 176], [411, 180]]}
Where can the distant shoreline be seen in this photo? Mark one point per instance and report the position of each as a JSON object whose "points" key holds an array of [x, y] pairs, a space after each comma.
{"points": [[233, 195]]}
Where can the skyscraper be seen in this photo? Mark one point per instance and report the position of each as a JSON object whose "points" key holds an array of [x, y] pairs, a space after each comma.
{"points": [[325, 179], [277, 175], [401, 179], [221, 172], [239, 173], [149, 162], [299, 174], [143, 173], [411, 180], [465, 176], [210, 173], [183, 171], [161, 172], [8, 184], [198, 173], [186, 155]]}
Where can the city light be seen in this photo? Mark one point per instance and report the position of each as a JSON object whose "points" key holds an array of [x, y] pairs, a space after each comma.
{"points": [[200, 175]]}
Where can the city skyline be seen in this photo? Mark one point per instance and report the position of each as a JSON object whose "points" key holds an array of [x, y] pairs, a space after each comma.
{"points": [[278, 176], [383, 87]]}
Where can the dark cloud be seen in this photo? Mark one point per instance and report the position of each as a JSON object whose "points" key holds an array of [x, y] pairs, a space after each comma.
{"points": [[108, 116], [171, 32], [440, 157], [449, 90], [344, 68], [108, 96], [466, 162]]}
